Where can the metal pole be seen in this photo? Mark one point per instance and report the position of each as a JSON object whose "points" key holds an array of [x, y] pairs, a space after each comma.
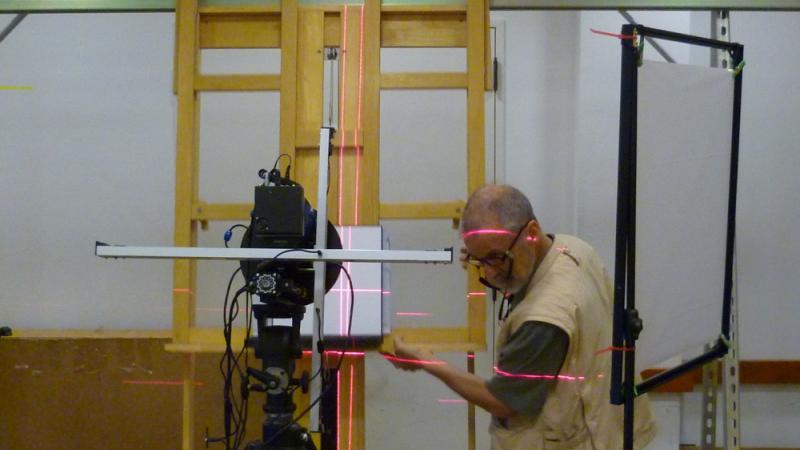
{"points": [[315, 388], [11, 25], [708, 424]]}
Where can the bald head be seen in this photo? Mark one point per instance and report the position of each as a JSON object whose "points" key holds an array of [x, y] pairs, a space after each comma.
{"points": [[494, 205]]}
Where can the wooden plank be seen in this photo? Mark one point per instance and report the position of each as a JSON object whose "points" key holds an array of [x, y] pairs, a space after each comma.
{"points": [[243, 82], [351, 403], [332, 29], [189, 400], [90, 334], [421, 29], [433, 8], [424, 80], [185, 168], [434, 339], [343, 162], [471, 407], [476, 156], [441, 210], [416, 27], [750, 372], [186, 189], [240, 30], [289, 18], [238, 9], [487, 46], [769, 372], [370, 167], [310, 79]]}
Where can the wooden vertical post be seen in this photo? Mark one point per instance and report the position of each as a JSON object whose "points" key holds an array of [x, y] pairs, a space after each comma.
{"points": [[186, 187], [288, 77], [370, 165], [476, 152]]}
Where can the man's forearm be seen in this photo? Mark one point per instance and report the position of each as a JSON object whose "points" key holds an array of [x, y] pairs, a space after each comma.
{"points": [[471, 387]]}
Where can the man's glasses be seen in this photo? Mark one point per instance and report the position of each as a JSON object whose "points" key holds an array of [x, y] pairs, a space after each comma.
{"points": [[497, 259]]}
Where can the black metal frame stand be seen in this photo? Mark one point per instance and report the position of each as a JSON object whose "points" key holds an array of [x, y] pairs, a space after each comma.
{"points": [[627, 324]]}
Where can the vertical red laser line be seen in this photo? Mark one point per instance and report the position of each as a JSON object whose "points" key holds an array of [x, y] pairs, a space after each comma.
{"points": [[343, 90], [357, 148], [338, 407], [350, 415], [358, 120]]}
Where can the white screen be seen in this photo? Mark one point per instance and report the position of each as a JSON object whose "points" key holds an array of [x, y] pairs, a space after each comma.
{"points": [[682, 184]]}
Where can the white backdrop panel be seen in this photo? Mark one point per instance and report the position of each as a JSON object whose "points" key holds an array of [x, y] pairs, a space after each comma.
{"points": [[683, 167]]}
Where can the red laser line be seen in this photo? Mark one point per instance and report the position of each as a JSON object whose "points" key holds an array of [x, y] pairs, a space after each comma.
{"points": [[615, 349], [343, 91], [337, 352], [413, 314], [485, 231], [618, 36], [358, 120], [414, 361], [537, 376], [350, 415]]}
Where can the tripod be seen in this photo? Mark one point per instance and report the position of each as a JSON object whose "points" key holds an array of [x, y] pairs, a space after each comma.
{"points": [[278, 346]]}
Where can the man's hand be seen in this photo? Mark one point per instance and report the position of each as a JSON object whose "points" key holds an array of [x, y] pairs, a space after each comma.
{"points": [[410, 357]]}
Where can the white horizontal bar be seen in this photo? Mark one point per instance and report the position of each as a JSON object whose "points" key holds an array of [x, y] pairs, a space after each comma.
{"points": [[399, 256]]}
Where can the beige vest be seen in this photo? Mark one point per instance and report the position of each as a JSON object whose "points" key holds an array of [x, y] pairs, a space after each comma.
{"points": [[572, 291]]}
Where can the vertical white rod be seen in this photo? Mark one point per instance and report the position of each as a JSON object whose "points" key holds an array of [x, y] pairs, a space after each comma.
{"points": [[315, 389]]}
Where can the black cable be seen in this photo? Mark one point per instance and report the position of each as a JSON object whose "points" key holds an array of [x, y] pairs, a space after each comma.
{"points": [[238, 414], [226, 358], [275, 166], [229, 232], [322, 361]]}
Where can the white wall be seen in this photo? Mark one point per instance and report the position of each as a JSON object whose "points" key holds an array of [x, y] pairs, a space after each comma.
{"points": [[99, 99]]}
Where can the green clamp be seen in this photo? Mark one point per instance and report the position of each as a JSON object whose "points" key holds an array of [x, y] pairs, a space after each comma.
{"points": [[640, 51], [736, 71]]}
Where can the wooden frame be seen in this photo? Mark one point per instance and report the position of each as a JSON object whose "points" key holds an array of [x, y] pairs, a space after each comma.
{"points": [[302, 33]]}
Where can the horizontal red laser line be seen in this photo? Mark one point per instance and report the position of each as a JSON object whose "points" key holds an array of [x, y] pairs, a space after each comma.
{"points": [[334, 352], [615, 349], [414, 314], [618, 36], [356, 290], [413, 361], [538, 377], [485, 231], [476, 294], [183, 291], [159, 382]]}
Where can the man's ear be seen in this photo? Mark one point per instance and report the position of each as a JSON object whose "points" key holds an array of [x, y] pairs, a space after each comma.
{"points": [[533, 230]]}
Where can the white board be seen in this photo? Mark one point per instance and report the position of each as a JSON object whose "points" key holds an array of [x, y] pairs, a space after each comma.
{"points": [[682, 184]]}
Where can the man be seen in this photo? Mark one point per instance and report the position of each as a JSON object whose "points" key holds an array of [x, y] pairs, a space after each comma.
{"points": [[551, 383]]}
